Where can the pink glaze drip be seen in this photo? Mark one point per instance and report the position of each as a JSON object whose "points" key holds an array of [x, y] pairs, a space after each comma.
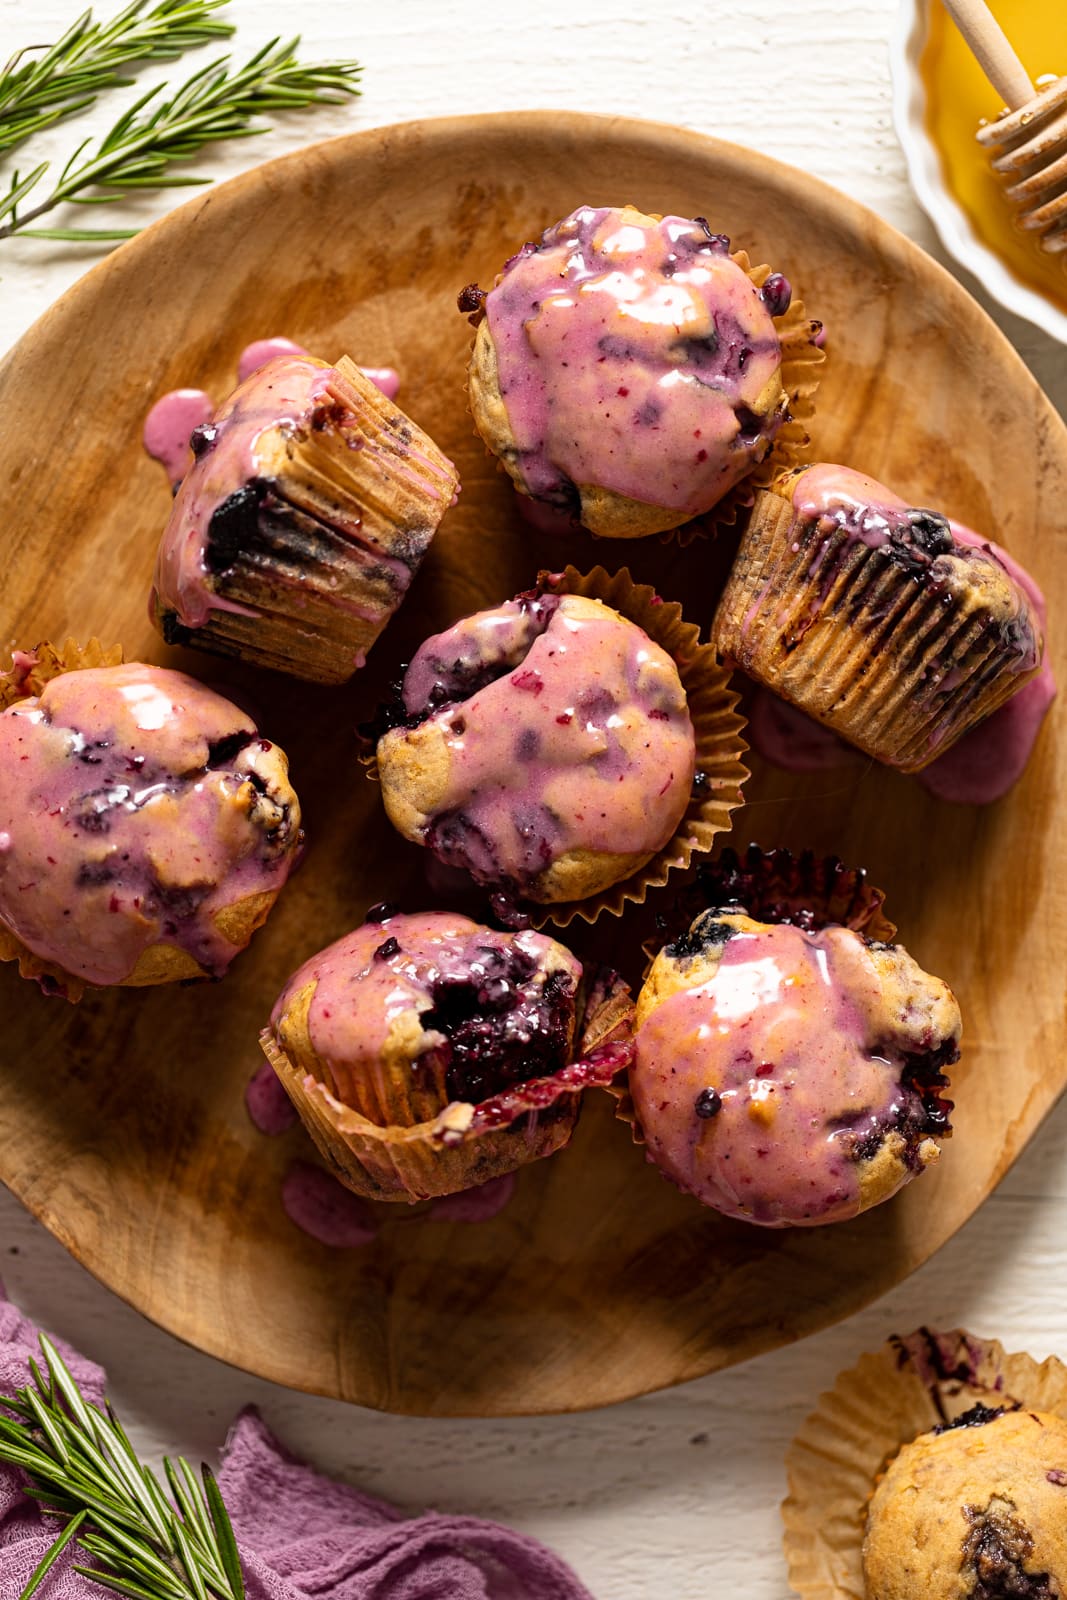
{"points": [[475, 1205], [124, 829], [260, 351], [324, 1209], [168, 426], [370, 984], [982, 766], [285, 392], [267, 1104], [584, 744], [794, 1035], [629, 357]]}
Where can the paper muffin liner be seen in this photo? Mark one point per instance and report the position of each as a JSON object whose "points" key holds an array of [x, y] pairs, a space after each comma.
{"points": [[853, 641], [466, 1145], [717, 724], [800, 337], [874, 1409], [311, 598], [772, 886], [27, 675]]}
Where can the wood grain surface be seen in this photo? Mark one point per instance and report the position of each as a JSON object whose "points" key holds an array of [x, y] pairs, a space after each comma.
{"points": [[121, 1122]]}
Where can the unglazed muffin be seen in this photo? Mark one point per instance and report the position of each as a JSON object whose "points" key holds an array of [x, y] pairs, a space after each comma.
{"points": [[145, 828], [295, 534], [627, 369], [894, 627], [427, 1054], [545, 746], [973, 1511], [790, 1077]]}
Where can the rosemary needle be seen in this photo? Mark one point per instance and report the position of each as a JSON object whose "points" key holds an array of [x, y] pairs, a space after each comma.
{"points": [[37, 90], [218, 102], [81, 1467]]}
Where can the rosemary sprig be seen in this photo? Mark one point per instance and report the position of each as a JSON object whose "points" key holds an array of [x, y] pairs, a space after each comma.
{"points": [[215, 103], [38, 90], [81, 1467]]}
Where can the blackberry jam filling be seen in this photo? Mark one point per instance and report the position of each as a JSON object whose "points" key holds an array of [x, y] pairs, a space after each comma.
{"points": [[996, 1550], [501, 1023], [976, 1417]]}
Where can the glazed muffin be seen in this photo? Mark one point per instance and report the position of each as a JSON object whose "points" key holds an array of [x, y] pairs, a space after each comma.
{"points": [[976, 1510], [790, 1077], [892, 626], [295, 534], [627, 369], [145, 828], [427, 1054], [544, 746]]}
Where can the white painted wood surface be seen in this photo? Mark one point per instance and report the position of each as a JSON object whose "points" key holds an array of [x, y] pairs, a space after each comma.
{"points": [[673, 1497]]}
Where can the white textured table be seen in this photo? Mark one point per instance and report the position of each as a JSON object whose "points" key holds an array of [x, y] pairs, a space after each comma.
{"points": [[673, 1497]]}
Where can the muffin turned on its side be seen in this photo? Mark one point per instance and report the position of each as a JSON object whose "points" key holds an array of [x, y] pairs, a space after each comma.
{"points": [[296, 532], [894, 627]]}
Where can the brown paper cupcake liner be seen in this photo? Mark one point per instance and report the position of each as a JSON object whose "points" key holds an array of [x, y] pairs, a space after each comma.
{"points": [[716, 722], [466, 1145], [874, 1409], [856, 643], [353, 513], [802, 359], [772, 886], [27, 675]]}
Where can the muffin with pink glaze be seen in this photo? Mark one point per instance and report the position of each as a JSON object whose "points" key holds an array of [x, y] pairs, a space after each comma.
{"points": [[787, 1076], [146, 828], [628, 370], [894, 627], [296, 532], [427, 1054]]}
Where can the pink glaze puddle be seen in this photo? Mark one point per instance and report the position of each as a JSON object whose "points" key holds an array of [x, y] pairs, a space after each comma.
{"points": [[544, 518], [983, 765], [325, 1209], [260, 351], [167, 428], [790, 739], [475, 1205], [267, 1103]]}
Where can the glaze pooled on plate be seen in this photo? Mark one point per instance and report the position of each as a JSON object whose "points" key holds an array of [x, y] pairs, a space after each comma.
{"points": [[627, 362], [544, 746], [790, 1077], [145, 827]]}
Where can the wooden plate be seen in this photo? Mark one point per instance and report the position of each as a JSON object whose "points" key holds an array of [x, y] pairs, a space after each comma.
{"points": [[121, 1120]]}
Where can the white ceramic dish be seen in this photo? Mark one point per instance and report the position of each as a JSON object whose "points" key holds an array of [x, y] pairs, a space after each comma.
{"points": [[924, 168]]}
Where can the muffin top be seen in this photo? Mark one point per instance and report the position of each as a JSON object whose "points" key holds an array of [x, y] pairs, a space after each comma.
{"points": [[137, 809], [948, 557], [975, 1511], [634, 355], [790, 1077], [409, 1014], [545, 746]]}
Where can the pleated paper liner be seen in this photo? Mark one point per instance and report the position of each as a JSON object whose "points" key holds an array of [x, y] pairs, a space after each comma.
{"points": [[30, 670], [776, 885], [322, 564], [856, 643], [717, 724], [465, 1145], [802, 358], [876, 1407]]}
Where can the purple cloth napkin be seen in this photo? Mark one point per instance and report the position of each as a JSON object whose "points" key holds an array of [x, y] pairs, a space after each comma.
{"points": [[302, 1536]]}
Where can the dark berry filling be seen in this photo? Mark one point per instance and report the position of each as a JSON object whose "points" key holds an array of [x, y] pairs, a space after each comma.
{"points": [[501, 1023], [706, 932], [996, 1551], [976, 1417], [708, 1103]]}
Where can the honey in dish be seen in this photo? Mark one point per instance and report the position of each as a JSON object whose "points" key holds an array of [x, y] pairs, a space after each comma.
{"points": [[958, 97]]}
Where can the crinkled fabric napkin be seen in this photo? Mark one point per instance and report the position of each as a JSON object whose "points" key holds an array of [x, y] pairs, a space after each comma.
{"points": [[301, 1536]]}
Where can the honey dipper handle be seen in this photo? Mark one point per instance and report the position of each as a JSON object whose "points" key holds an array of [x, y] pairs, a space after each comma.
{"points": [[992, 51]]}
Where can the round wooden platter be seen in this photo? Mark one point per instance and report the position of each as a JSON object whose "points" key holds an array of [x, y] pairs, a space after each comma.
{"points": [[122, 1123]]}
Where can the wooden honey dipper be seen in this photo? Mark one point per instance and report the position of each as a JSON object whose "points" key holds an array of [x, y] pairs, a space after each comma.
{"points": [[1028, 145]]}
